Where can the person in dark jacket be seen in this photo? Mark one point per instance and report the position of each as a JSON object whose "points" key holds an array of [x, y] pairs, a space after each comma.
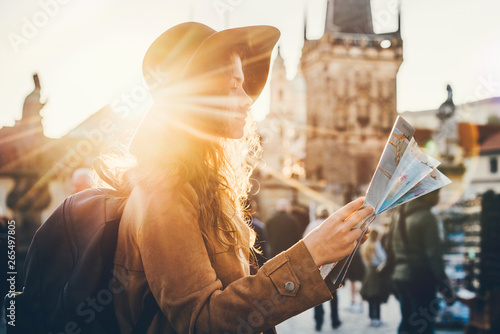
{"points": [[301, 213], [419, 268], [283, 229]]}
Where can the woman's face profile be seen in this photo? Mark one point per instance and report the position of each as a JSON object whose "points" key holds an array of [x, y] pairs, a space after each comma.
{"points": [[238, 102]]}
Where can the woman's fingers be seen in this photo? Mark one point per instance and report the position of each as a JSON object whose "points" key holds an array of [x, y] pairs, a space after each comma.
{"points": [[349, 209], [365, 236], [354, 234], [358, 216], [336, 237]]}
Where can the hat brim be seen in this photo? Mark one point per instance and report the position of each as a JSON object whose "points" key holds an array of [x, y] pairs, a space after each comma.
{"points": [[168, 55], [258, 42]]}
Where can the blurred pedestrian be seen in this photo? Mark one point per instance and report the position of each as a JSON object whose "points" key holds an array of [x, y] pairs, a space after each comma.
{"points": [[183, 242], [375, 288], [80, 180], [282, 228], [322, 212], [301, 213], [355, 275], [419, 268]]}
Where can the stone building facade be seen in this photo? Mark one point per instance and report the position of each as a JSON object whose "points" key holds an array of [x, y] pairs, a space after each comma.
{"points": [[283, 129], [327, 127], [36, 171], [350, 77], [467, 143]]}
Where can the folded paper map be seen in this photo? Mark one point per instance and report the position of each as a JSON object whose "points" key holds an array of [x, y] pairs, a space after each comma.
{"points": [[403, 173]]}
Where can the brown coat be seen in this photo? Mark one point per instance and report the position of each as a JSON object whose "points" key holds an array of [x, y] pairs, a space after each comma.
{"points": [[161, 249]]}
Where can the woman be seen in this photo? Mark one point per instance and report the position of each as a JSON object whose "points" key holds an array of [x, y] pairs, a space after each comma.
{"points": [[182, 235], [376, 286]]}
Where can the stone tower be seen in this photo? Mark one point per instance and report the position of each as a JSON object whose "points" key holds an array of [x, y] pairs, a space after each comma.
{"points": [[283, 129], [350, 75], [283, 140]]}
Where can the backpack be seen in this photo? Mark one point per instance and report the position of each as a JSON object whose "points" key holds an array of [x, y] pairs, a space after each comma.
{"points": [[69, 278]]}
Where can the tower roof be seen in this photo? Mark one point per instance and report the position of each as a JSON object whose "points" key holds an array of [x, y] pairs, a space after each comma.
{"points": [[353, 17], [349, 16]]}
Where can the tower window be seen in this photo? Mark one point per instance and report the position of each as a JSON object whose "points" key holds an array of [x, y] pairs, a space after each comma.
{"points": [[364, 170], [494, 165], [319, 173]]}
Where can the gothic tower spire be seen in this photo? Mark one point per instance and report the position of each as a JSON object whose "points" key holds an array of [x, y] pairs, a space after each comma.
{"points": [[349, 16]]}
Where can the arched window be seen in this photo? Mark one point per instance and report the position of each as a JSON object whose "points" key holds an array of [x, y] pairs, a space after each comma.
{"points": [[493, 165], [319, 173]]}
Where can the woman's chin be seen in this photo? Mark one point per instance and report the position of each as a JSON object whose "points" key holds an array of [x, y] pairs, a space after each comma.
{"points": [[235, 130], [235, 134]]}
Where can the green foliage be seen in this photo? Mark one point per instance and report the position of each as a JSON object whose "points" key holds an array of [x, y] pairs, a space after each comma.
{"points": [[493, 119]]}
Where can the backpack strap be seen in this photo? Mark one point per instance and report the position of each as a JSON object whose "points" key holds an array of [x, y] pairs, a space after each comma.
{"points": [[148, 313], [150, 305]]}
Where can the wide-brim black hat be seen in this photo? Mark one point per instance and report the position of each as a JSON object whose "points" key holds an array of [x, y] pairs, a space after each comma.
{"points": [[187, 51]]}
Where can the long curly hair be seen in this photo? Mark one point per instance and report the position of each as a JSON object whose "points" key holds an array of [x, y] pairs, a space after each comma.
{"points": [[188, 147], [368, 249]]}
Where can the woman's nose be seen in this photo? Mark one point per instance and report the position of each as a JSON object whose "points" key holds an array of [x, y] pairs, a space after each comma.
{"points": [[245, 100]]}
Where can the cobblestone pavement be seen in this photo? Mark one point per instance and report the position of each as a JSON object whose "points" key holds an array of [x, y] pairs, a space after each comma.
{"points": [[352, 322]]}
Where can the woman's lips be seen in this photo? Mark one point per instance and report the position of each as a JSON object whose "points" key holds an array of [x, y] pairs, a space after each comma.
{"points": [[241, 116]]}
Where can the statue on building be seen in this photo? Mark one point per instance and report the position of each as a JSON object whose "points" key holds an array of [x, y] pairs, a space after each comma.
{"points": [[32, 105], [446, 136], [26, 165], [447, 109]]}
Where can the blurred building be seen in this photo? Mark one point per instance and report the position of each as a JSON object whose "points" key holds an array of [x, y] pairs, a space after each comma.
{"points": [[35, 171], [468, 139], [328, 126], [485, 111], [283, 134], [351, 98], [283, 131], [25, 155]]}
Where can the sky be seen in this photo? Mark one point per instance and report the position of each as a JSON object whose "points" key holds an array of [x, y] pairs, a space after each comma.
{"points": [[89, 53]]}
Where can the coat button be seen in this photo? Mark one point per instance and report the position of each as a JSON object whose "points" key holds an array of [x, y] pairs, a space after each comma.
{"points": [[289, 286]]}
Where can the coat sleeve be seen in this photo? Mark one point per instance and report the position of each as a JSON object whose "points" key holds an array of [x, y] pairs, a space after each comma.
{"points": [[191, 296]]}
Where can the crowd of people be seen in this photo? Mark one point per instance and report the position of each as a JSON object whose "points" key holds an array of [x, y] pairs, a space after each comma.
{"points": [[390, 262]]}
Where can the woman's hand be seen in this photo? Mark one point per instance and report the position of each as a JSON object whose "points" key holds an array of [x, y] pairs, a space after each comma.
{"points": [[336, 237]]}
